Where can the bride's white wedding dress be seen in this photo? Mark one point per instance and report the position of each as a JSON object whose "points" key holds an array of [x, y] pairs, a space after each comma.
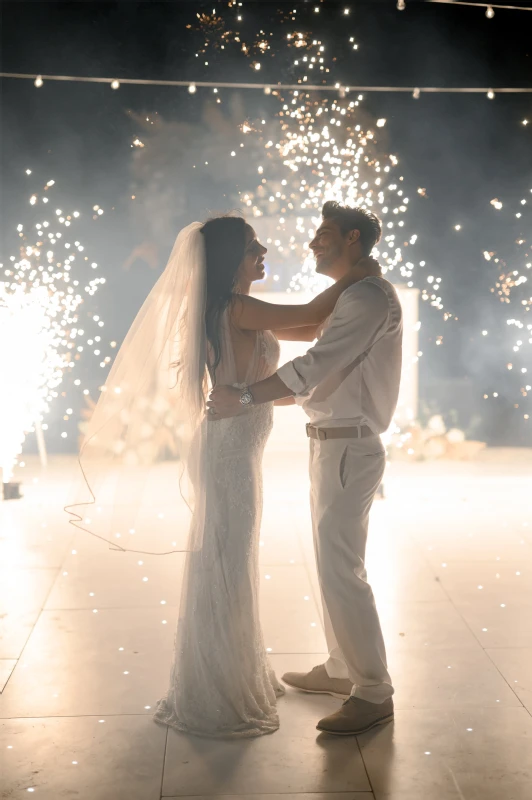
{"points": [[221, 683]]}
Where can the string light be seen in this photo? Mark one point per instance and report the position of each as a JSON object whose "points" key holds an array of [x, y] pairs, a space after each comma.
{"points": [[38, 80], [115, 84], [481, 5], [490, 13]]}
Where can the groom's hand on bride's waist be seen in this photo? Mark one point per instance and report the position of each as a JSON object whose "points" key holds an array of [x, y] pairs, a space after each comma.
{"points": [[223, 402]]}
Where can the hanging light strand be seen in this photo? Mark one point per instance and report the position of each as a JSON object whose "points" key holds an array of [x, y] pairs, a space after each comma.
{"points": [[481, 5], [269, 87]]}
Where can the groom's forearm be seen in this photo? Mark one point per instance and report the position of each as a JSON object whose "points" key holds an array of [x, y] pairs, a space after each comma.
{"points": [[269, 389]]}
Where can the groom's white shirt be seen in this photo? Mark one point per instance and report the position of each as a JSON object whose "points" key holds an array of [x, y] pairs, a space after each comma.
{"points": [[351, 375]]}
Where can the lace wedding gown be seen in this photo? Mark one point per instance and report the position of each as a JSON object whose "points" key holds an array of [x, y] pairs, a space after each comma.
{"points": [[221, 683]]}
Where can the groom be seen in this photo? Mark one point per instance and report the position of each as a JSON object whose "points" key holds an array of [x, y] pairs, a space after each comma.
{"points": [[348, 384]]}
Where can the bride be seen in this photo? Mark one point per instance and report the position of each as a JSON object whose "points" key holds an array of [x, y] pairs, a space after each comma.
{"points": [[200, 320]]}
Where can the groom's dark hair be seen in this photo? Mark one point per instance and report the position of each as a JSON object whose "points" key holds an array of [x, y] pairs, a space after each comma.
{"points": [[355, 219]]}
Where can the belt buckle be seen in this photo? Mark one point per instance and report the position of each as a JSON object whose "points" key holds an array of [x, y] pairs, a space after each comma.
{"points": [[320, 433]]}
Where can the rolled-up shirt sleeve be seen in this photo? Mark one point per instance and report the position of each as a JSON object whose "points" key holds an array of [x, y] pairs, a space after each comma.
{"points": [[359, 320]]}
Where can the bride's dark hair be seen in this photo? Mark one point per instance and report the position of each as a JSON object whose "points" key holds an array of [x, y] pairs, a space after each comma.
{"points": [[225, 246]]}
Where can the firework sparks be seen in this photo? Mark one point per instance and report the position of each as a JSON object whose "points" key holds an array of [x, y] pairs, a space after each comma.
{"points": [[512, 288], [323, 148], [41, 292]]}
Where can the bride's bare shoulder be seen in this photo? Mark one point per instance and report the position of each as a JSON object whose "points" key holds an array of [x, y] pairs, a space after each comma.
{"points": [[239, 306]]}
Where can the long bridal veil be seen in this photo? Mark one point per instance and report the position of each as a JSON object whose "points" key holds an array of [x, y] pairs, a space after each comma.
{"points": [[142, 482]]}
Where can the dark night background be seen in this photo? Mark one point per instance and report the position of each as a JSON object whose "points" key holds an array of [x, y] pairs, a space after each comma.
{"points": [[464, 149]]}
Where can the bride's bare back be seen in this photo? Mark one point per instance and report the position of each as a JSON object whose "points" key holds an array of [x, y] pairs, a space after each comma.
{"points": [[244, 343]]}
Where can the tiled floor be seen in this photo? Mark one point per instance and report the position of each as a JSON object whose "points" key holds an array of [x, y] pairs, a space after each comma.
{"points": [[86, 643]]}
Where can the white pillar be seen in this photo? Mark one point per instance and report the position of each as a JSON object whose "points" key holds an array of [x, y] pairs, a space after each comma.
{"points": [[407, 406], [41, 444]]}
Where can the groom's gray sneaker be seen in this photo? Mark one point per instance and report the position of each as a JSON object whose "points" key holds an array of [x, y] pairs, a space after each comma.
{"points": [[318, 682], [357, 716]]}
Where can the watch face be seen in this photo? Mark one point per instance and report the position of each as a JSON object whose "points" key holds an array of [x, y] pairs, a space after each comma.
{"points": [[246, 398]]}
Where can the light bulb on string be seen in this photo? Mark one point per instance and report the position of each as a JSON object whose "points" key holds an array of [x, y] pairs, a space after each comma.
{"points": [[192, 88], [491, 94], [401, 5], [38, 81], [490, 13], [115, 85], [416, 93]]}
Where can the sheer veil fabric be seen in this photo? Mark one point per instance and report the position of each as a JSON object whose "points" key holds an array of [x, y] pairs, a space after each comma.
{"points": [[203, 499], [157, 385]]}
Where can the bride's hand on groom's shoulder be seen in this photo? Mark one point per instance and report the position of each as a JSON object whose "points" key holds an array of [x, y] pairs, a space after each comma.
{"points": [[223, 402]]}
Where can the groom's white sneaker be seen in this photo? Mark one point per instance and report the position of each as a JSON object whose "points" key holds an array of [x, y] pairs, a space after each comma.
{"points": [[318, 682]]}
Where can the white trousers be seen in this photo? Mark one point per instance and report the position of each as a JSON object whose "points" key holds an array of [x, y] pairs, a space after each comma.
{"points": [[344, 477]]}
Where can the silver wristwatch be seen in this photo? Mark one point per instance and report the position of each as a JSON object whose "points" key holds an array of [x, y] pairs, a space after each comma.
{"points": [[246, 398]]}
